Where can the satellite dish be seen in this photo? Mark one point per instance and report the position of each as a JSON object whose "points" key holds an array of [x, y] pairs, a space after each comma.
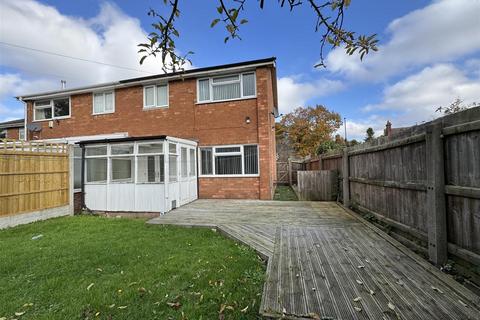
{"points": [[34, 127]]}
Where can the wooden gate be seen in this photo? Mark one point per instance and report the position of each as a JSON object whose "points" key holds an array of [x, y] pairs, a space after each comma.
{"points": [[282, 172], [33, 176]]}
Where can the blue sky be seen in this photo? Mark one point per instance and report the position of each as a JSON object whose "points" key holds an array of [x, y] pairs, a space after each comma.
{"points": [[429, 52]]}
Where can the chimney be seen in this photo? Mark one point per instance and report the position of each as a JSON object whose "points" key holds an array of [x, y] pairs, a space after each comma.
{"points": [[64, 84], [388, 129]]}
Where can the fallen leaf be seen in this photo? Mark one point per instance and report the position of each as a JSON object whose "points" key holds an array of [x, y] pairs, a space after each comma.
{"points": [[391, 306], [97, 314], [372, 292], [99, 269], [357, 299], [21, 313], [27, 305], [90, 286], [174, 305], [230, 308], [222, 308], [242, 311], [359, 282], [361, 267], [111, 306], [122, 307], [358, 309]]}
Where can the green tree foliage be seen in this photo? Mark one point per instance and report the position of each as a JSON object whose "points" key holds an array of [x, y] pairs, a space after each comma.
{"points": [[370, 135], [328, 16], [308, 128]]}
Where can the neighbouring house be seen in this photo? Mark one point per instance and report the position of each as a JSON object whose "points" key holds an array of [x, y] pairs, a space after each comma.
{"points": [[168, 138], [14, 129]]}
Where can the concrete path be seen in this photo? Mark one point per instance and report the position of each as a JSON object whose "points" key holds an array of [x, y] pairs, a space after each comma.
{"points": [[326, 263]]}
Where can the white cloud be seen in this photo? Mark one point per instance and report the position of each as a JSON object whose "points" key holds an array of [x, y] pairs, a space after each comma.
{"points": [[417, 96], [440, 32], [110, 37], [293, 93]]}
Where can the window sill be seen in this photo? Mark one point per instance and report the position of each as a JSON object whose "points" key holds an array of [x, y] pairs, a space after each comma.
{"points": [[155, 108], [102, 113], [227, 100], [51, 119]]}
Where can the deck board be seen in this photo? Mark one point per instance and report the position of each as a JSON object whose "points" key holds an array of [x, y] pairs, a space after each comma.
{"points": [[320, 259]]}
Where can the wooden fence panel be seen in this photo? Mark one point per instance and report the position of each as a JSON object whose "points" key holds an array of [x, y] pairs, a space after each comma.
{"points": [[32, 177], [317, 185]]}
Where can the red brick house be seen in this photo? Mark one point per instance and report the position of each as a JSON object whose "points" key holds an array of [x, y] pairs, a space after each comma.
{"points": [[228, 110], [14, 129]]}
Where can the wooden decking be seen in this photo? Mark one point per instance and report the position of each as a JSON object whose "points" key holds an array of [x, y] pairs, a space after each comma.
{"points": [[324, 263]]}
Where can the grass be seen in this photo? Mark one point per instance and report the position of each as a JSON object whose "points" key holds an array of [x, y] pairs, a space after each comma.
{"points": [[285, 193], [87, 267]]}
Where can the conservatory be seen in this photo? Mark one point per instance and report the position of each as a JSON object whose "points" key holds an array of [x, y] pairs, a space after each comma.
{"points": [[145, 174]]}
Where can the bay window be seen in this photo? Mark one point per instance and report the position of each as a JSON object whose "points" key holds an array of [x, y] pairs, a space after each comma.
{"points": [[241, 160], [155, 96], [228, 87], [103, 102], [51, 109]]}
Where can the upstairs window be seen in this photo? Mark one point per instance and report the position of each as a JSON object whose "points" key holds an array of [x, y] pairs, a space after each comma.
{"points": [[51, 109], [224, 88], [103, 102], [155, 96]]}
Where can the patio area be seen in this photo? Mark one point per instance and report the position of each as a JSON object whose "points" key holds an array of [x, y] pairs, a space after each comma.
{"points": [[326, 263]]}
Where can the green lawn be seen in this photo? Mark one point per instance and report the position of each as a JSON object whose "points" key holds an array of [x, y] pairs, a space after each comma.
{"points": [[87, 267], [285, 193]]}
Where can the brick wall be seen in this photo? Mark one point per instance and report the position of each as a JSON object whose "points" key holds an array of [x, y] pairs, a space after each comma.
{"points": [[210, 124], [12, 133]]}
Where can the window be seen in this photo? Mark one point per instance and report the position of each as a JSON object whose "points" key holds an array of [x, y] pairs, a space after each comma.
{"points": [[77, 167], [103, 102], [172, 162], [229, 160], [122, 165], [122, 169], [52, 109], [150, 163], [192, 163], [230, 87], [21, 133], [96, 164], [155, 96], [3, 134], [184, 162], [206, 161]]}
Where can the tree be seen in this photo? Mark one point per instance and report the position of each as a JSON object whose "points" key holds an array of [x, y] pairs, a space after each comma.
{"points": [[307, 128], [353, 142], [329, 15], [456, 106], [370, 135]]}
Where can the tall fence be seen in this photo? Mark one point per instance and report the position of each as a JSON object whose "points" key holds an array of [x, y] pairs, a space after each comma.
{"points": [[424, 182], [34, 176]]}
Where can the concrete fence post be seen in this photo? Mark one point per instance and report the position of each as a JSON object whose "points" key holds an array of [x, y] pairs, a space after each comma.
{"points": [[436, 211], [346, 176]]}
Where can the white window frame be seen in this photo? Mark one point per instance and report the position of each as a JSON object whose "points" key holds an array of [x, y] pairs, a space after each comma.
{"points": [[104, 102], [154, 105], [19, 136], [51, 107], [112, 156], [139, 154], [103, 156], [214, 154], [211, 85]]}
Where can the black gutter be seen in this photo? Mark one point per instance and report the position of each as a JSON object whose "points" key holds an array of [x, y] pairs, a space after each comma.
{"points": [[126, 139], [190, 71]]}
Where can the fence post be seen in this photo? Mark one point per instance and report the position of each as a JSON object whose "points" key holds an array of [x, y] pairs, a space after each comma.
{"points": [[436, 212], [71, 175], [346, 181], [290, 172], [320, 162]]}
